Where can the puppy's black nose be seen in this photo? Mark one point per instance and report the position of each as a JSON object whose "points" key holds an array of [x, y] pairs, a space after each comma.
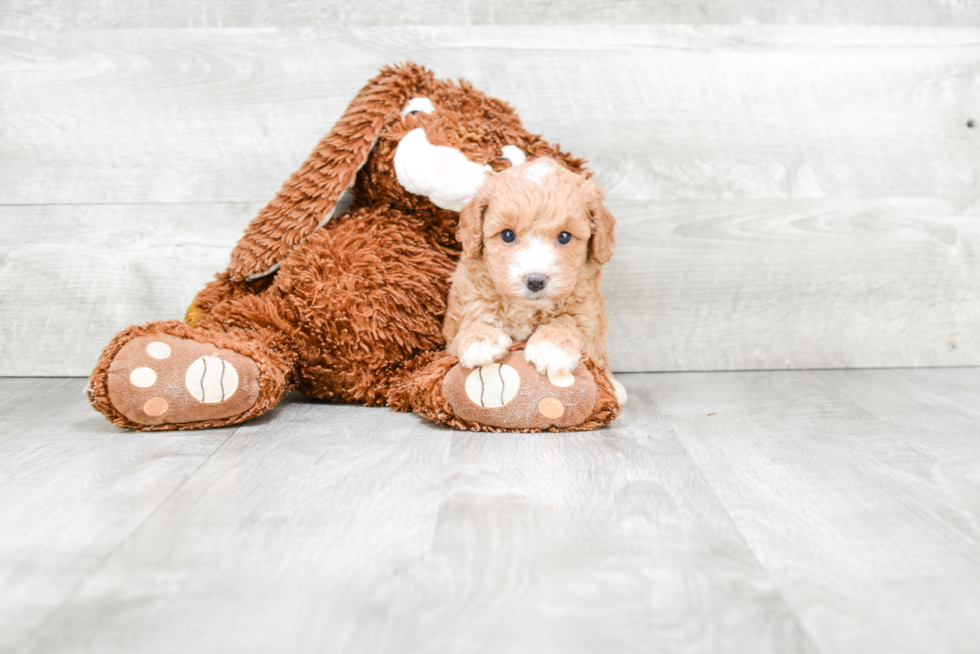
{"points": [[535, 282]]}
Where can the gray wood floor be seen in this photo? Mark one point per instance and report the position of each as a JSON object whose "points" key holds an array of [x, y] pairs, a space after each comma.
{"points": [[814, 511]]}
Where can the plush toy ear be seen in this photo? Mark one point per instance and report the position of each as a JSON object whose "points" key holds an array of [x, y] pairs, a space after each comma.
{"points": [[603, 225], [470, 231], [307, 200]]}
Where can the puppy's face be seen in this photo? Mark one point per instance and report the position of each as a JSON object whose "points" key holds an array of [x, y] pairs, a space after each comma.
{"points": [[537, 225]]}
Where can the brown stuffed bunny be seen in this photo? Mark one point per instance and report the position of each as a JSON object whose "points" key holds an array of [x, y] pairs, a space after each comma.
{"points": [[348, 305]]}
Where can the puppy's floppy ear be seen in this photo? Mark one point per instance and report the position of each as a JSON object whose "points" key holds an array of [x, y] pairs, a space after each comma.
{"points": [[603, 224], [470, 231], [308, 198]]}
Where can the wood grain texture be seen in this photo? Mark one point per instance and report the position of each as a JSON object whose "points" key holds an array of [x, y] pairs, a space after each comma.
{"points": [[98, 14], [592, 542], [280, 543], [937, 419], [694, 285], [788, 197], [665, 112], [345, 529], [813, 511], [857, 490], [71, 276], [732, 285], [73, 488]]}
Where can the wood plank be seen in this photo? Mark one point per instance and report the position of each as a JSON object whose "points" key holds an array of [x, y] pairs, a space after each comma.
{"points": [[794, 284], [936, 417], [828, 511], [714, 112], [597, 542], [74, 275], [694, 285], [74, 14], [872, 541], [73, 488], [339, 528], [278, 543]]}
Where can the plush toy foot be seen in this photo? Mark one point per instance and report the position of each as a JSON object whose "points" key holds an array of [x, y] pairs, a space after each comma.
{"points": [[509, 395], [160, 380]]}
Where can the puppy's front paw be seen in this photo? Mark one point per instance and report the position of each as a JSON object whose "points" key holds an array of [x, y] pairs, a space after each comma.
{"points": [[551, 359], [485, 351], [620, 391]]}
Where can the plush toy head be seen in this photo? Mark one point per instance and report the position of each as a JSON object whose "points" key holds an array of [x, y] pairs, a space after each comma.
{"points": [[418, 144]]}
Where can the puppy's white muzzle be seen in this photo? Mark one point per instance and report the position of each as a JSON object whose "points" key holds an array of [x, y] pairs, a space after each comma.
{"points": [[444, 175], [535, 261]]}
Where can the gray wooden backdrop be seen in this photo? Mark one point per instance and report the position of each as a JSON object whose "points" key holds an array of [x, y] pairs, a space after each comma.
{"points": [[796, 183]]}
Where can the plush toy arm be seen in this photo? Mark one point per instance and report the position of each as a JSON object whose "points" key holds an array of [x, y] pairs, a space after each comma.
{"points": [[308, 198]]}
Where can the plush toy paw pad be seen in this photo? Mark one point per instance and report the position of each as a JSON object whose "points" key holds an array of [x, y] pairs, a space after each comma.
{"points": [[512, 394], [561, 379], [162, 379], [211, 379], [551, 408], [492, 386]]}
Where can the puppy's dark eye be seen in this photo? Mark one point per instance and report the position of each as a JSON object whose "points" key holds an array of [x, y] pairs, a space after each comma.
{"points": [[564, 238], [508, 236]]}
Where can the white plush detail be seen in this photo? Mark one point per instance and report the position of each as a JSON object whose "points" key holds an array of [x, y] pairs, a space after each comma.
{"points": [[483, 353], [561, 379], [620, 391], [537, 256], [273, 268], [444, 175], [492, 386], [513, 154], [211, 379], [550, 359], [143, 377], [418, 104], [538, 170], [158, 350]]}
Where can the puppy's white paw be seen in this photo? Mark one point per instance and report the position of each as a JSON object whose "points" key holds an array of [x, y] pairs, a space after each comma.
{"points": [[550, 359], [485, 352], [620, 391]]}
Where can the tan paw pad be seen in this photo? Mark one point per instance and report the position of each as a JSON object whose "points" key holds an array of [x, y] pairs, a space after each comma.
{"points": [[155, 406], [551, 408]]}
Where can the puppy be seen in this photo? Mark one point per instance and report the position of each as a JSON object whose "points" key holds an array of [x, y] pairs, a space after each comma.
{"points": [[534, 239]]}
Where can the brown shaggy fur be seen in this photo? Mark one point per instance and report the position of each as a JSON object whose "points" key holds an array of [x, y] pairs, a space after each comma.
{"points": [[356, 301]]}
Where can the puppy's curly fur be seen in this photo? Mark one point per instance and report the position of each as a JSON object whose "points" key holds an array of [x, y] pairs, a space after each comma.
{"points": [[534, 240]]}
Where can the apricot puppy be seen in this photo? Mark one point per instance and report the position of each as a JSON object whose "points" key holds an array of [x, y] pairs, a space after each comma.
{"points": [[534, 239]]}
